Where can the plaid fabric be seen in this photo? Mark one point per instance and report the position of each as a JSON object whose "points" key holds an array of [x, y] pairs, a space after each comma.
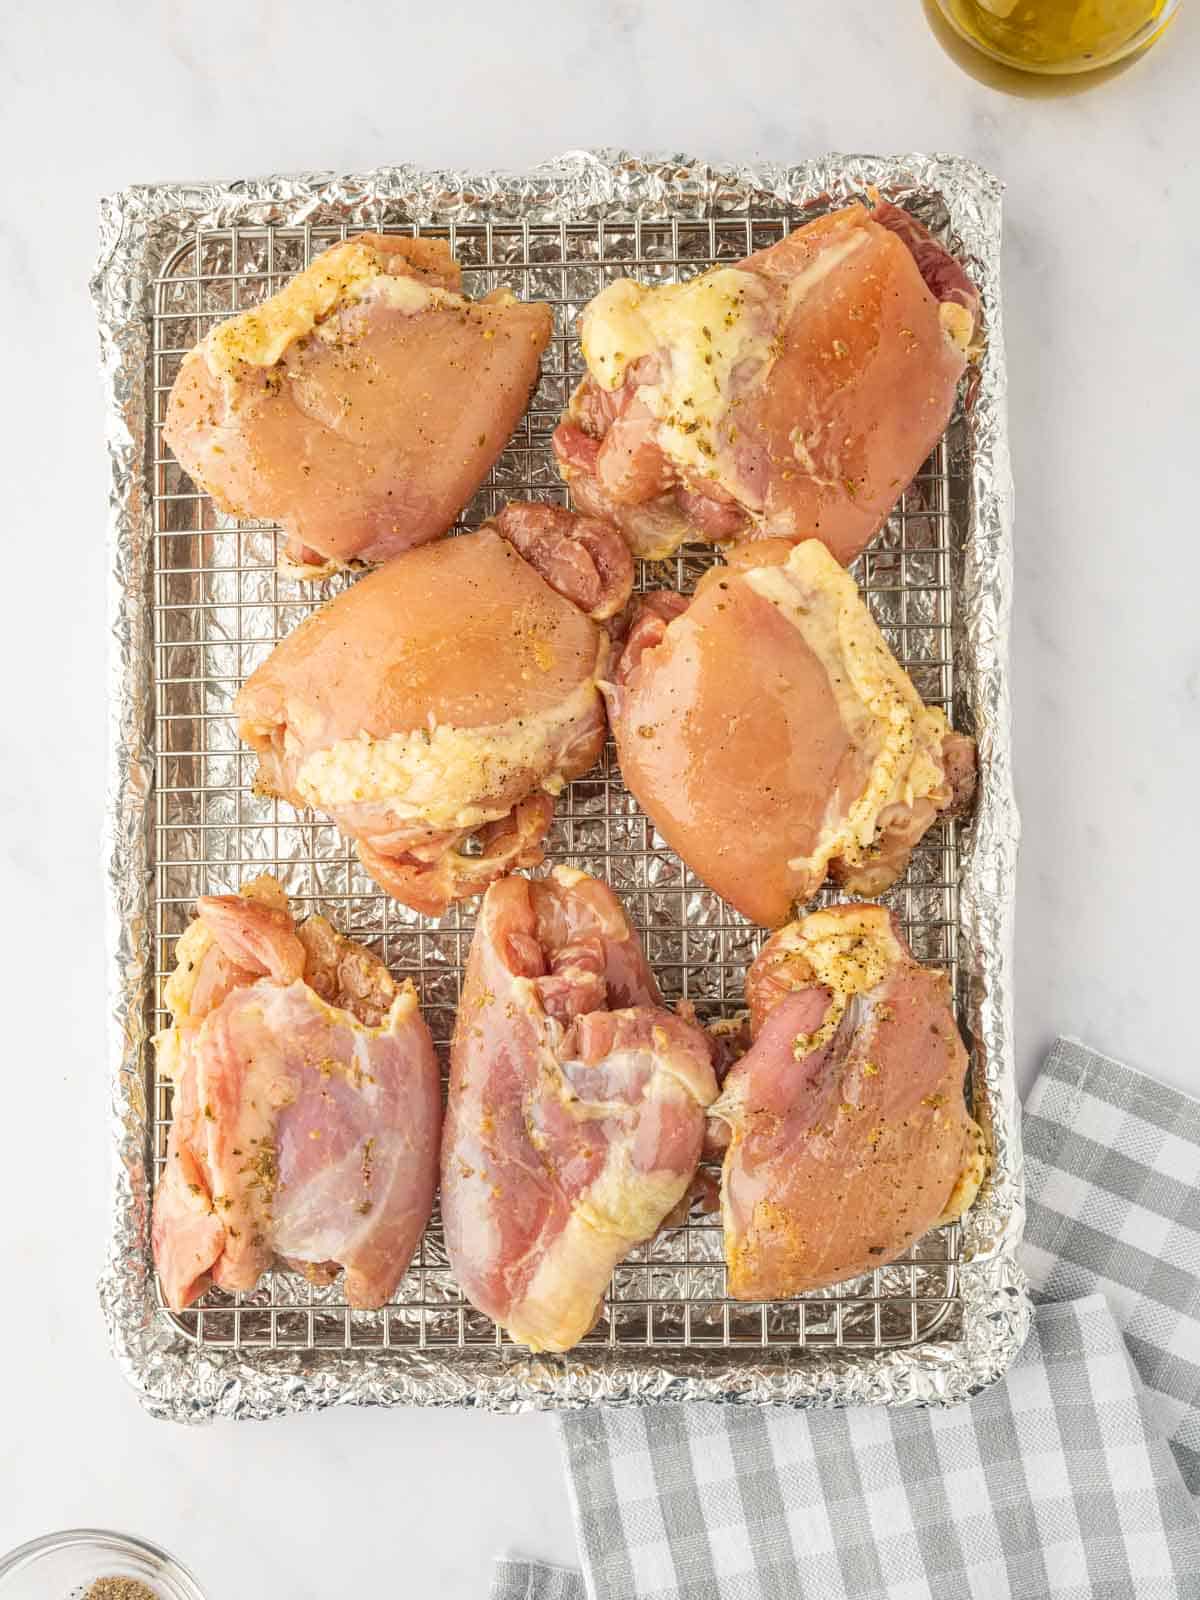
{"points": [[532, 1580], [1057, 1484], [1113, 1162]]}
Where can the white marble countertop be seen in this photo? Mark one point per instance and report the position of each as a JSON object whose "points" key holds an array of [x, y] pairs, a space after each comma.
{"points": [[1101, 268]]}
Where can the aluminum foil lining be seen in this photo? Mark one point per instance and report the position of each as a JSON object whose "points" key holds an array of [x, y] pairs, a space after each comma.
{"points": [[183, 1375]]}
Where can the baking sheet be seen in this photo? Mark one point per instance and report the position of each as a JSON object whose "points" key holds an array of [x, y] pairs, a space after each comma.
{"points": [[196, 602]]}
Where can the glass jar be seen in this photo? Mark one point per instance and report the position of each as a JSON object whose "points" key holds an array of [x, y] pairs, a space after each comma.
{"points": [[64, 1566], [1059, 36]]}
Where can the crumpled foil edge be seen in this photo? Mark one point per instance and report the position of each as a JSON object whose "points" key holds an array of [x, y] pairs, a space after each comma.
{"points": [[183, 1382]]}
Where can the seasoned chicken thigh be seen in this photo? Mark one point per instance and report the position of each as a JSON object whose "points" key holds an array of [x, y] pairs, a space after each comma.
{"points": [[307, 1107], [792, 395], [448, 696], [849, 1134], [362, 405], [576, 1112], [772, 737]]}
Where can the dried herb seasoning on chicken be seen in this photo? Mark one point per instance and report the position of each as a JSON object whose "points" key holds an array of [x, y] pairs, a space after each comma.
{"points": [[792, 395], [307, 1106], [439, 705], [362, 405], [773, 738], [576, 1111], [849, 1133]]}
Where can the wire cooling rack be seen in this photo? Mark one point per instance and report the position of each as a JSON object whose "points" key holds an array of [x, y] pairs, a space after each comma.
{"points": [[219, 607]]}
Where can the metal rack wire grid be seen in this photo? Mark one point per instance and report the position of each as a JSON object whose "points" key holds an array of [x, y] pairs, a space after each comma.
{"points": [[219, 607]]}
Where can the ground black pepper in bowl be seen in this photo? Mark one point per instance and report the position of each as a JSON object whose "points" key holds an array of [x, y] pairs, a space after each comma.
{"points": [[118, 1589]]}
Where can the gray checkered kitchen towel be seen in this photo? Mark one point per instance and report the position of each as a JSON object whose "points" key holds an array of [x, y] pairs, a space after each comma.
{"points": [[1073, 1479]]}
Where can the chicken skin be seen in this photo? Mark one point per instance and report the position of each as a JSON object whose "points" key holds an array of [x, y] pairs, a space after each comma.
{"points": [[448, 696], [772, 737], [576, 1110], [849, 1134], [792, 395], [307, 1107], [362, 405]]}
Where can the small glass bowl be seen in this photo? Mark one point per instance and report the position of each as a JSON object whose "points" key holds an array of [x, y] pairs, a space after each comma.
{"points": [[63, 1566], [1139, 38]]}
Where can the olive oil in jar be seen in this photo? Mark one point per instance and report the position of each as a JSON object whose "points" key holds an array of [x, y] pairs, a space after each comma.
{"points": [[1059, 35]]}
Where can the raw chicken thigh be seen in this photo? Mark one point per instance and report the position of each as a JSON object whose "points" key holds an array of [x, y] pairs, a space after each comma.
{"points": [[792, 395], [362, 405], [576, 1112], [772, 737], [307, 1107], [448, 696], [849, 1135]]}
